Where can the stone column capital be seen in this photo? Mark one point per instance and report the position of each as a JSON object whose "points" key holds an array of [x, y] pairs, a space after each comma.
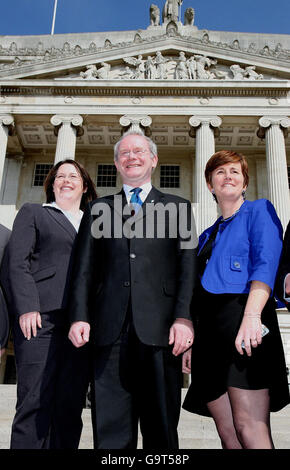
{"points": [[267, 121], [75, 120], [136, 122], [8, 121], [196, 121]]}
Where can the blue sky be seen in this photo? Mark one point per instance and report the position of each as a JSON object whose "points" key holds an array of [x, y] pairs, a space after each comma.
{"points": [[20, 17]]}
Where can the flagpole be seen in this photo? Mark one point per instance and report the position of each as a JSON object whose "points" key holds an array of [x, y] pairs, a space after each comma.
{"points": [[54, 14]]}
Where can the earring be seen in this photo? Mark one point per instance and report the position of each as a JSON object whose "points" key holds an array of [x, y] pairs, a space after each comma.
{"points": [[244, 194], [213, 195]]}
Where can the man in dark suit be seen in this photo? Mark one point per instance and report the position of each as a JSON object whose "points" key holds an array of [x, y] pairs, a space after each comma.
{"points": [[282, 287], [131, 292], [4, 319]]}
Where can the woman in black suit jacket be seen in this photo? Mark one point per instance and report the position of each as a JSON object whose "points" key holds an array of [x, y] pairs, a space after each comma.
{"points": [[39, 258]]}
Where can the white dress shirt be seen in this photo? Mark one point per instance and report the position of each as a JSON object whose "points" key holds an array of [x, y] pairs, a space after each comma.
{"points": [[146, 188]]}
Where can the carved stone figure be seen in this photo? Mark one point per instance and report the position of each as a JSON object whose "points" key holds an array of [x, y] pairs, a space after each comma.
{"points": [[127, 74], [160, 62], [238, 72], [154, 15], [103, 72], [191, 67], [150, 70], [170, 10], [251, 74], [189, 16], [90, 73], [248, 73], [181, 68], [138, 63], [203, 65]]}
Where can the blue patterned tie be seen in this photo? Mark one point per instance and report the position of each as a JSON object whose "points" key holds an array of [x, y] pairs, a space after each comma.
{"points": [[135, 200]]}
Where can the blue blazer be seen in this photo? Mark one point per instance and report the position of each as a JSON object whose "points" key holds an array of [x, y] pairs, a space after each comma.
{"points": [[247, 248]]}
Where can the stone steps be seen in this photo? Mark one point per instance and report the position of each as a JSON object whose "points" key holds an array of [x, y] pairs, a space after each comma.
{"points": [[195, 432]]}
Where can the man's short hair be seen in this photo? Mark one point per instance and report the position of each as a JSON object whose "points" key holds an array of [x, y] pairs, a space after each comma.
{"points": [[152, 145]]}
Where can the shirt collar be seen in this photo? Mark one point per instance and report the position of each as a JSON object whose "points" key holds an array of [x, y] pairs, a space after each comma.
{"points": [[146, 188]]}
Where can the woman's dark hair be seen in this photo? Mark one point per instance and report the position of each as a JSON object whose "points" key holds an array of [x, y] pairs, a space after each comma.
{"points": [[88, 184], [222, 158]]}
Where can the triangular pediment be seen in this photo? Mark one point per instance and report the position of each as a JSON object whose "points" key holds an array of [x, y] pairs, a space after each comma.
{"points": [[160, 58]]}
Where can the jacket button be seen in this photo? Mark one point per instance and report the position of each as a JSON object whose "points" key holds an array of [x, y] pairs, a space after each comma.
{"points": [[132, 255], [127, 284], [237, 264]]}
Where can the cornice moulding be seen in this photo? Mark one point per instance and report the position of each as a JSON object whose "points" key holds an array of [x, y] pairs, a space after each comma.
{"points": [[144, 88]]}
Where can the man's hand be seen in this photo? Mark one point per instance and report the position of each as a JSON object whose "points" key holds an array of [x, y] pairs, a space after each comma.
{"points": [[29, 322], [79, 333], [181, 334], [2, 352]]}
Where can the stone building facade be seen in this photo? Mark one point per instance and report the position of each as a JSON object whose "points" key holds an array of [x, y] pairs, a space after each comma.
{"points": [[193, 91]]}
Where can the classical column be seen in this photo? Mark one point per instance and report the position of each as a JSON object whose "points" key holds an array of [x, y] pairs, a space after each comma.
{"points": [[274, 129], [67, 129], [135, 122], [204, 129], [6, 122]]}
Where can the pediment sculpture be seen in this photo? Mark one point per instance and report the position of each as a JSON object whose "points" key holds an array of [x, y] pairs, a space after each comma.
{"points": [[168, 67]]}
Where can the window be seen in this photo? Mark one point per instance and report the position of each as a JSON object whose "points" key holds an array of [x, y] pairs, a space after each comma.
{"points": [[40, 173], [169, 176], [106, 176]]}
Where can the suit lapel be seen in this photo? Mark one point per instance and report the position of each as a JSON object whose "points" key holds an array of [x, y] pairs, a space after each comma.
{"points": [[61, 220], [153, 198]]}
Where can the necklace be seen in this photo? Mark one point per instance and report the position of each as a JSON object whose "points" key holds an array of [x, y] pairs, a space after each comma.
{"points": [[231, 216]]}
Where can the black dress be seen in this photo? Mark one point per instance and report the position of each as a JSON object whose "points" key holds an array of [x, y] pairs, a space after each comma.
{"points": [[216, 364]]}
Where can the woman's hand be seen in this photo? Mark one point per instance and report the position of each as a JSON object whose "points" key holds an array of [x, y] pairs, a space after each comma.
{"points": [[186, 362], [250, 332], [29, 322], [251, 327]]}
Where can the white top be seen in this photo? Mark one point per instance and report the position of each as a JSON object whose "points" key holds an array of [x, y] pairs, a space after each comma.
{"points": [[75, 219]]}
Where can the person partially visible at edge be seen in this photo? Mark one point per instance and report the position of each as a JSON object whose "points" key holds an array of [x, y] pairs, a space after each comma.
{"points": [[238, 375], [282, 286], [50, 396], [131, 297], [4, 317]]}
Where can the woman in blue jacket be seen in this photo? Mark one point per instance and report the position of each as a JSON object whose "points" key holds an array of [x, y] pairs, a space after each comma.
{"points": [[238, 366]]}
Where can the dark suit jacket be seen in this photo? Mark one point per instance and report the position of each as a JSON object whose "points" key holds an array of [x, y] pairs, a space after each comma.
{"points": [[284, 267], [38, 260], [4, 318], [156, 275]]}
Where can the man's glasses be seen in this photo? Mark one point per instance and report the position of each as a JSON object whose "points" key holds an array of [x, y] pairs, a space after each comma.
{"points": [[137, 152]]}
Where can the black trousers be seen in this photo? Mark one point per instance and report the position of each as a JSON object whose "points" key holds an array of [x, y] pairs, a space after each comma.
{"points": [[50, 393], [135, 382]]}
